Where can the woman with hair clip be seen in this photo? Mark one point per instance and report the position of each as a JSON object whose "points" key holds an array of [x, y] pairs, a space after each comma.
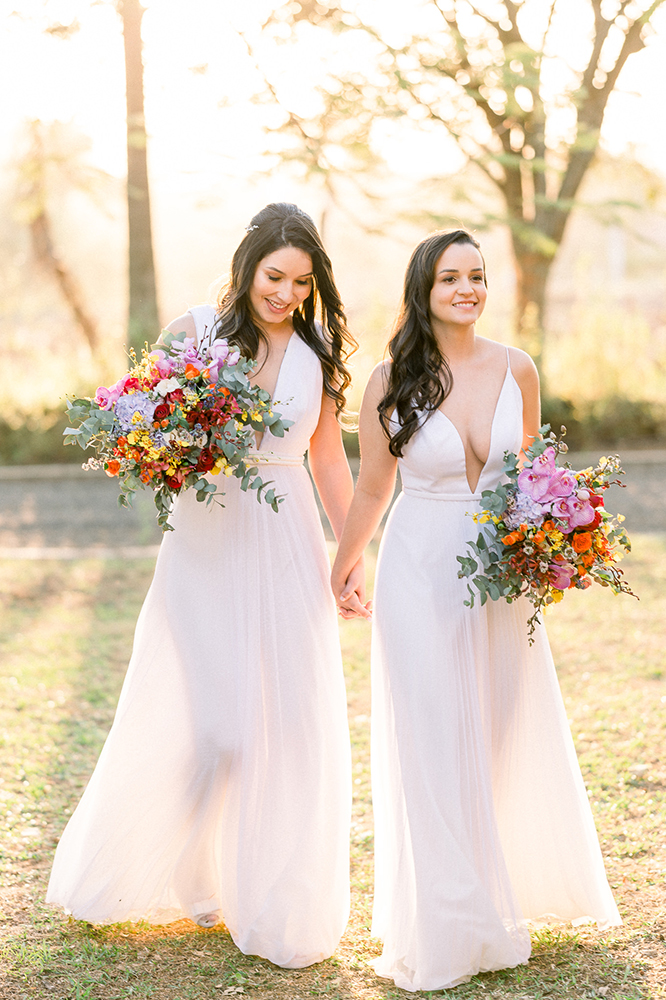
{"points": [[482, 818], [223, 790]]}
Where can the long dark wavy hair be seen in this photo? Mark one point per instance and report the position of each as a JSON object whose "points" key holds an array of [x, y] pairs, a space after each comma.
{"points": [[278, 225], [419, 378]]}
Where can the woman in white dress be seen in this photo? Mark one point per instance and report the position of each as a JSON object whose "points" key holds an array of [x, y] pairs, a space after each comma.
{"points": [[482, 819], [223, 790]]}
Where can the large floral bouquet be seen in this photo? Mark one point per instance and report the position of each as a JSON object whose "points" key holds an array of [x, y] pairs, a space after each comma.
{"points": [[177, 415], [545, 530]]}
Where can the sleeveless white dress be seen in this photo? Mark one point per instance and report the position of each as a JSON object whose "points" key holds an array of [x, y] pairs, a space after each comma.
{"points": [[482, 818], [224, 783]]}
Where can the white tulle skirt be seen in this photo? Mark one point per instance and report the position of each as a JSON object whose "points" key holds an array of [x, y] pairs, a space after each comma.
{"points": [[224, 783], [482, 817]]}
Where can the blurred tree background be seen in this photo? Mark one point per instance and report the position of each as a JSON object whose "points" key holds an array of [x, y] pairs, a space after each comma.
{"points": [[531, 122]]}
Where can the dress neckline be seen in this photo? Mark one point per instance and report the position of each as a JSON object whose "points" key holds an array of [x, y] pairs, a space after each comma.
{"points": [[508, 374], [274, 395]]}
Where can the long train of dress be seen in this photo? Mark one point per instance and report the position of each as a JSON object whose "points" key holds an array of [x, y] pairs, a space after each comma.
{"points": [[224, 783], [482, 818]]}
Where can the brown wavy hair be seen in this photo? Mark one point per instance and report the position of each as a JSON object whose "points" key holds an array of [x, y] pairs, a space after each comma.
{"points": [[278, 225], [419, 378]]}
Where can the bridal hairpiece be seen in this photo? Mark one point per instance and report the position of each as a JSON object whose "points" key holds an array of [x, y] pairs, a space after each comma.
{"points": [[248, 229]]}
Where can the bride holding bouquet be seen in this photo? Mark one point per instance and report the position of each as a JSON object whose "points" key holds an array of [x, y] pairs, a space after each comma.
{"points": [[482, 818], [223, 790]]}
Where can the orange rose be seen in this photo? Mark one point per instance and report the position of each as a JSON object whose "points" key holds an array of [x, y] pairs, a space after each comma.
{"points": [[539, 537], [191, 371], [112, 467], [582, 541], [513, 537]]}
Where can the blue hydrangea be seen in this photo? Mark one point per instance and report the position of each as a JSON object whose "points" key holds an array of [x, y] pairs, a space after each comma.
{"points": [[134, 402]]}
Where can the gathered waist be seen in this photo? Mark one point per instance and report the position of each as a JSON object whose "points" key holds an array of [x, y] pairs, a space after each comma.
{"points": [[269, 458], [450, 497]]}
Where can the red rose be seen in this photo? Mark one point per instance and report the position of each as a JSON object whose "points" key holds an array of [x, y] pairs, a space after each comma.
{"points": [[596, 500], [132, 383], [206, 460], [161, 412], [177, 396], [174, 482]]}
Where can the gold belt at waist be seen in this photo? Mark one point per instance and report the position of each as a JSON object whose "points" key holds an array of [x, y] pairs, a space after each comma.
{"points": [[268, 458]]}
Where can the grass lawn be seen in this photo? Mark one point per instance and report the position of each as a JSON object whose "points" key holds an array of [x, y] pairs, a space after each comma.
{"points": [[65, 636]]}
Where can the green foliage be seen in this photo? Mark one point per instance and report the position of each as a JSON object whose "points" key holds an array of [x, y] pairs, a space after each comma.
{"points": [[613, 420], [35, 439]]}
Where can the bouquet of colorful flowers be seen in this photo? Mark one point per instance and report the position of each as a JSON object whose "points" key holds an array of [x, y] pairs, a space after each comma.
{"points": [[545, 530], [177, 415]]}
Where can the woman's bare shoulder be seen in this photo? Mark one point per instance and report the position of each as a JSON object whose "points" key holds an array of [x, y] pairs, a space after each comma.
{"points": [[379, 378], [183, 324], [521, 362]]}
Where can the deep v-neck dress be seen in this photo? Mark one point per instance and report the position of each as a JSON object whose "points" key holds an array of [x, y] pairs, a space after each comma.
{"points": [[225, 781], [482, 820]]}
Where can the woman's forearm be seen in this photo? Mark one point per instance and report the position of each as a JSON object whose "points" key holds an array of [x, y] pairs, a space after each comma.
{"points": [[335, 487], [365, 514]]}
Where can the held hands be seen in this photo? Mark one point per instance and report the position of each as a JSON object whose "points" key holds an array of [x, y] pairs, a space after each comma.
{"points": [[350, 593]]}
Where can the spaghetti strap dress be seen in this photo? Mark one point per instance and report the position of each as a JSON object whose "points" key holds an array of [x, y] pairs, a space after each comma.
{"points": [[482, 817], [224, 783]]}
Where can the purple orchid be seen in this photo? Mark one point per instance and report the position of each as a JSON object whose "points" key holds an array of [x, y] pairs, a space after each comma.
{"points": [[561, 574], [581, 512]]}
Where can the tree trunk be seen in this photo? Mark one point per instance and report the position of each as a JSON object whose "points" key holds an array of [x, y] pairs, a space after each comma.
{"points": [[532, 270], [42, 242], [143, 320]]}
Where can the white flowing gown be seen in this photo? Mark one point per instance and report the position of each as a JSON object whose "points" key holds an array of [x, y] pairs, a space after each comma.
{"points": [[482, 818], [224, 783]]}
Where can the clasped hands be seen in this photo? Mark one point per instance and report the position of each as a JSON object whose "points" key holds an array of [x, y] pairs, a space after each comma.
{"points": [[349, 593]]}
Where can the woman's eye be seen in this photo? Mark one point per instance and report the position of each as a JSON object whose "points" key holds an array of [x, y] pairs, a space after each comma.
{"points": [[305, 282], [273, 277]]}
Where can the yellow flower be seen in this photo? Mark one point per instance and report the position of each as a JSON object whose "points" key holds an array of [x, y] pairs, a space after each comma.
{"points": [[557, 596], [255, 415], [621, 518], [229, 471], [132, 437], [556, 538]]}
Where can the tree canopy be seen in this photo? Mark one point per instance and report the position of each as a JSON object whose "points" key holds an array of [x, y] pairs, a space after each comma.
{"points": [[523, 104]]}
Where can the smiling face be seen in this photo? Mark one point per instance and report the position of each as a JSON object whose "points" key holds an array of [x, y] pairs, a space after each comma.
{"points": [[458, 294], [282, 281]]}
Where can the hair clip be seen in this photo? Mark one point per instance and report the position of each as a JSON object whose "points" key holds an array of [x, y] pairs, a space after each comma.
{"points": [[248, 229]]}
